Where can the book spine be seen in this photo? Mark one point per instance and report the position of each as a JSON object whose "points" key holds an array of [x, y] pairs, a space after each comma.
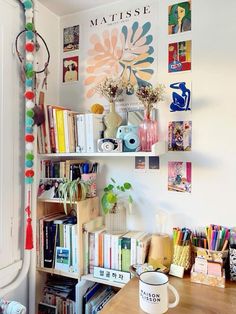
{"points": [[113, 253], [60, 130], [49, 232], [119, 253], [100, 249], [81, 133], [71, 129], [41, 242], [51, 129], [55, 130], [91, 252], [133, 251], [37, 244], [66, 131], [86, 251], [61, 234], [126, 253], [47, 133], [107, 250]]}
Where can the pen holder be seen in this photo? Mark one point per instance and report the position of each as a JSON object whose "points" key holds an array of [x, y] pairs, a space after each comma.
{"points": [[182, 255], [232, 262], [90, 180]]}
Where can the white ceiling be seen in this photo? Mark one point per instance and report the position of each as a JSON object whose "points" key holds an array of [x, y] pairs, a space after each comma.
{"points": [[63, 7]]}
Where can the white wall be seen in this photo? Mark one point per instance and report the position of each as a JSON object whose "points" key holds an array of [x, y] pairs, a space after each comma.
{"points": [[213, 117]]}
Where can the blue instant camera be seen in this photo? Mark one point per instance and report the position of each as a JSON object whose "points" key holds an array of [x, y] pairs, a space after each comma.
{"points": [[129, 135]]}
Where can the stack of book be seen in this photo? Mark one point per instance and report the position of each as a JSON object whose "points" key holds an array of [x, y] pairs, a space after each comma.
{"points": [[116, 251], [58, 296], [96, 297], [57, 242], [66, 131]]}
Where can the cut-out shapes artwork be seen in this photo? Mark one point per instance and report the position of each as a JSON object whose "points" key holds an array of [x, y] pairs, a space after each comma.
{"points": [[181, 97]]}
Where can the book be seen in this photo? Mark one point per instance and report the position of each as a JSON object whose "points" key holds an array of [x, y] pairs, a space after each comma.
{"points": [[107, 250], [94, 128], [60, 130], [66, 131], [62, 261], [44, 308], [81, 134]]}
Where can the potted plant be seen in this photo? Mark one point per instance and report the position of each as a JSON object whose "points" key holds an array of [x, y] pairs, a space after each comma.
{"points": [[72, 191], [113, 205]]}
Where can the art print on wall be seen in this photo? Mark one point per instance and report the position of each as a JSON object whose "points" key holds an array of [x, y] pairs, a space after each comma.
{"points": [[70, 69], [71, 38], [179, 176], [121, 45], [180, 136], [180, 96], [179, 17], [179, 58]]}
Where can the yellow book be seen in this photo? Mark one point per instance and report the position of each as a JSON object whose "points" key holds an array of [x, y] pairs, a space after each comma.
{"points": [[60, 130]]}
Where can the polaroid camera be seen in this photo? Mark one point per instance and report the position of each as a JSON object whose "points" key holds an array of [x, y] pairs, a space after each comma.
{"points": [[129, 135]]}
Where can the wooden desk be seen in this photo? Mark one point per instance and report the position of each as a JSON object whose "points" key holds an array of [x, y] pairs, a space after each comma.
{"points": [[194, 299]]}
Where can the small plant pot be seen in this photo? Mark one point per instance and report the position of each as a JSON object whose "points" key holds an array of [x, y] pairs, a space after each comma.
{"points": [[115, 220]]}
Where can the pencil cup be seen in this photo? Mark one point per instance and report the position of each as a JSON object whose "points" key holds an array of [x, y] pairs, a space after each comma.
{"points": [[182, 255], [90, 179], [232, 262]]}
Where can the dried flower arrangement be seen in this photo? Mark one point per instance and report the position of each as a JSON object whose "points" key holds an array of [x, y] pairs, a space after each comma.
{"points": [[150, 95], [110, 88]]}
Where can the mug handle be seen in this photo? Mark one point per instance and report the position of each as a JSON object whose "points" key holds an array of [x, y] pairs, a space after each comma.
{"points": [[174, 291]]}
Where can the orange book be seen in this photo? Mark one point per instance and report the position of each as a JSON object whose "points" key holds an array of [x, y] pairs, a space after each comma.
{"points": [[100, 249]]}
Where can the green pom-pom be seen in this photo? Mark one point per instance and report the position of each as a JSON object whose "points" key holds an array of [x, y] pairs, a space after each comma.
{"points": [[29, 156], [29, 35], [30, 113], [29, 74], [28, 4], [29, 180], [29, 26]]}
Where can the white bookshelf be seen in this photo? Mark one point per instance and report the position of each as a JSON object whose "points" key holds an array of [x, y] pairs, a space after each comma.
{"points": [[58, 272], [90, 277], [158, 149]]}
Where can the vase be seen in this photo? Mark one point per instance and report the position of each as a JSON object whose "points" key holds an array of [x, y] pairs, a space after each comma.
{"points": [[112, 121], [115, 220], [147, 132]]}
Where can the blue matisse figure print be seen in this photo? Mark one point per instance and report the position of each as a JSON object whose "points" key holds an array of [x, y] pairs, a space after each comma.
{"points": [[181, 100]]}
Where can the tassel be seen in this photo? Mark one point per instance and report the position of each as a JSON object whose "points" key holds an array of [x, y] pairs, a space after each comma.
{"points": [[29, 235]]}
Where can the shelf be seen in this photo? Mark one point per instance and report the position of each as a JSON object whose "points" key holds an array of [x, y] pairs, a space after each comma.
{"points": [[54, 200], [57, 272], [157, 149], [90, 277]]}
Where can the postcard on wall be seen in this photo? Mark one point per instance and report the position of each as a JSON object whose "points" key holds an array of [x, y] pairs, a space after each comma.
{"points": [[179, 176], [180, 136], [179, 17], [48, 188], [140, 163], [180, 96], [179, 56], [71, 38], [70, 69], [62, 259], [153, 163]]}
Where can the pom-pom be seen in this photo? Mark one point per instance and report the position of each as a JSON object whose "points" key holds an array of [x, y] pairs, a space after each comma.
{"points": [[29, 35], [29, 74], [29, 57], [29, 163], [29, 82], [29, 47], [28, 4], [29, 14], [29, 26], [29, 173], [97, 108], [29, 138], [29, 180], [29, 121], [29, 95], [29, 130], [29, 66], [29, 104], [29, 156], [29, 146], [30, 113]]}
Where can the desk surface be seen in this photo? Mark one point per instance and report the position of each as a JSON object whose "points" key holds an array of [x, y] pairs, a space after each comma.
{"points": [[194, 299]]}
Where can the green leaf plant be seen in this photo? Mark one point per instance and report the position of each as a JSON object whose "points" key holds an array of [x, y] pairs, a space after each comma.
{"points": [[72, 191], [111, 195]]}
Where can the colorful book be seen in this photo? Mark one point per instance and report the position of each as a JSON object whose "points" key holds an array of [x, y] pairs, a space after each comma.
{"points": [[60, 130]]}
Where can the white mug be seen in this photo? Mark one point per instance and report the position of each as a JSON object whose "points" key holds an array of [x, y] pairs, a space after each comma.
{"points": [[153, 293]]}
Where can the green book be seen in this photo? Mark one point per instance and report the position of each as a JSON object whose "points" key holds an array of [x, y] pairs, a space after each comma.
{"points": [[125, 253]]}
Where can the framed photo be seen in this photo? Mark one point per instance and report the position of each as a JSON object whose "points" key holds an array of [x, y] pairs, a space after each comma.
{"points": [[153, 163], [70, 69], [44, 308], [71, 38]]}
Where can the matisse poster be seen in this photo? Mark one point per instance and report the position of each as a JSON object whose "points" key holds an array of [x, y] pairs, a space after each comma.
{"points": [[179, 176], [71, 38], [179, 17], [121, 44], [180, 96], [180, 136], [179, 56]]}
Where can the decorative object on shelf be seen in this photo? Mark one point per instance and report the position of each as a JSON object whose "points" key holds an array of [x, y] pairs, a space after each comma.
{"points": [[111, 88], [97, 108], [149, 96], [72, 191], [113, 206], [129, 135]]}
